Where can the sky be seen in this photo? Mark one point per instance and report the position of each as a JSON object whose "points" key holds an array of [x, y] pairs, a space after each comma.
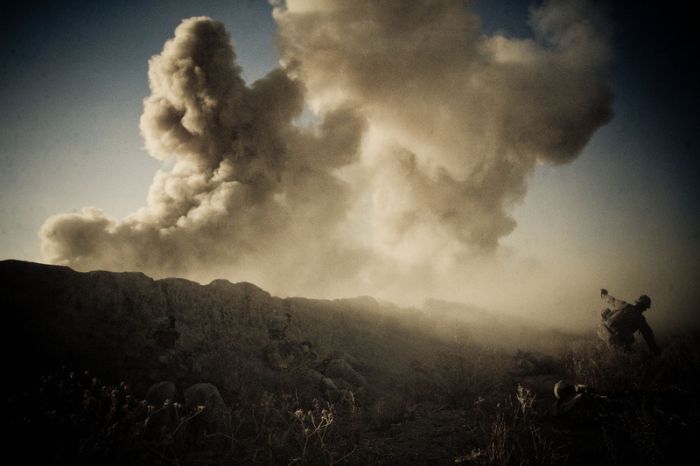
{"points": [[512, 155]]}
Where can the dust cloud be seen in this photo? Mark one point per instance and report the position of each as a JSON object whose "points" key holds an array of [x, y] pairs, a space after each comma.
{"points": [[402, 185]]}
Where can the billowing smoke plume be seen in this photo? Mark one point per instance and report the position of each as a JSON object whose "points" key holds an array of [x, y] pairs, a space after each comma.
{"points": [[425, 135]]}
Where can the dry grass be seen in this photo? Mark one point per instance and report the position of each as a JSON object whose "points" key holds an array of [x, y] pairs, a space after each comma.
{"points": [[647, 412]]}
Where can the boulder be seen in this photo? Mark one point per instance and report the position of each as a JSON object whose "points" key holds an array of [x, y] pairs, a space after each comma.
{"points": [[206, 399]]}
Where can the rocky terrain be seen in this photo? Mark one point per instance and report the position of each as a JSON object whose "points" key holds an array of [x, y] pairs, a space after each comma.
{"points": [[444, 384], [104, 319]]}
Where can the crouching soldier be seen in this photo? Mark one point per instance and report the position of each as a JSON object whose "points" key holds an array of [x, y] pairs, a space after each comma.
{"points": [[622, 320]]}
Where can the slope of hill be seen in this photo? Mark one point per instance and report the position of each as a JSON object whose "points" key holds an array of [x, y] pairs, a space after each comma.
{"points": [[443, 385], [102, 319]]}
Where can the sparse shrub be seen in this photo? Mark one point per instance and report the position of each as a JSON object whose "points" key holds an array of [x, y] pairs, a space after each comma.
{"points": [[514, 436], [609, 370], [644, 409], [283, 429], [612, 371], [82, 421], [313, 426]]}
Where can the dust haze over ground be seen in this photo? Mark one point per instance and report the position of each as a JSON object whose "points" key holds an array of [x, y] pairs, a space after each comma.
{"points": [[402, 184]]}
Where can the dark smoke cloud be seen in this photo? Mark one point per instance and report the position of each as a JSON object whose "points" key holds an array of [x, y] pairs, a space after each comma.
{"points": [[461, 118], [245, 183], [427, 132]]}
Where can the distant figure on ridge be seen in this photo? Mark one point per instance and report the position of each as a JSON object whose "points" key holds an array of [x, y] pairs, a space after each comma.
{"points": [[277, 326], [168, 361], [280, 352], [621, 320]]}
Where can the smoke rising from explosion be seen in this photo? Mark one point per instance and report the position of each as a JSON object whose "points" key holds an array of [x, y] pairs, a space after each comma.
{"points": [[426, 134]]}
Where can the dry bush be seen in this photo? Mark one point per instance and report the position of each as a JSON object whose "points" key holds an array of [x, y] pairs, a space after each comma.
{"points": [[609, 370], [514, 436], [649, 413], [282, 429], [78, 420]]}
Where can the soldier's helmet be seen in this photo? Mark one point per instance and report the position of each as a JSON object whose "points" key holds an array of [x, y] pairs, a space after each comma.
{"points": [[644, 301], [567, 397], [564, 390]]}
